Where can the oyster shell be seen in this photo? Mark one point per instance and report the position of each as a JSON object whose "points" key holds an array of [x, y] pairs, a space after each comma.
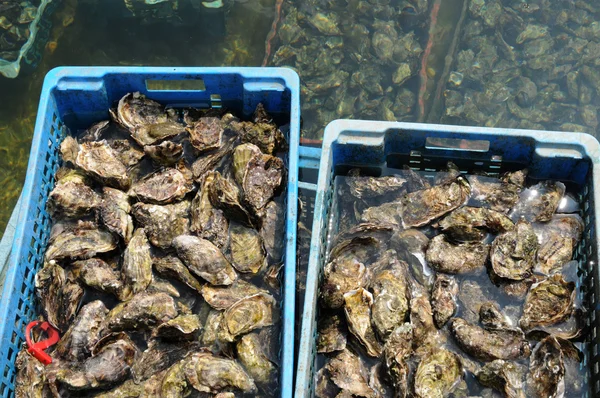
{"points": [[513, 252], [225, 195], [443, 299], [72, 197], [421, 207], [503, 376], [206, 133], [114, 211], [99, 275], [180, 328], [262, 133], [163, 187], [158, 357], [248, 314], [396, 351], [79, 242], [212, 325], [77, 343], [163, 223], [421, 319], [437, 374], [207, 373], [390, 305], [246, 247], [357, 308], [223, 297], [172, 267], [469, 223], [31, 377], [127, 152], [462, 258], [557, 240], [137, 265], [166, 153], [135, 110], [241, 156], [143, 310], [206, 220], [349, 373], [251, 355], [204, 259], [150, 134], [500, 196], [546, 377], [385, 213], [364, 187], [331, 334], [98, 160], [539, 202], [487, 345], [491, 317], [109, 364], [48, 288], [210, 160], [271, 229], [174, 383], [262, 177], [548, 302], [95, 132]]}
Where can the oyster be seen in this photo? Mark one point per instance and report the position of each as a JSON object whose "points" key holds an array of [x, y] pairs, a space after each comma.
{"points": [[503, 376], [204, 259], [224, 195], [95, 132], [212, 325], [71, 296], [207, 373], [166, 153], [99, 275], [135, 110], [396, 351], [421, 207], [98, 160], [357, 308], [206, 220], [223, 297], [141, 311], [324, 386], [387, 212], [115, 210], [390, 305], [77, 343], [331, 334], [206, 133], [163, 223], [180, 328], [470, 223], [271, 229], [31, 377], [109, 364], [174, 383], [513, 252], [491, 317], [263, 132], [557, 240], [443, 299], [263, 176], [163, 187], [158, 357], [151, 134], [421, 319], [137, 264], [488, 345], [172, 267], [248, 314], [546, 377], [462, 258], [539, 202], [437, 374], [241, 156], [251, 355], [246, 247], [160, 285], [79, 242], [349, 373], [208, 161], [48, 288], [72, 197], [472, 296], [548, 302], [500, 196], [371, 187], [127, 152]]}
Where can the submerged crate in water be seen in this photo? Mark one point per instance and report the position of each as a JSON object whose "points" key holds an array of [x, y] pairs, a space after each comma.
{"points": [[74, 98], [377, 147]]}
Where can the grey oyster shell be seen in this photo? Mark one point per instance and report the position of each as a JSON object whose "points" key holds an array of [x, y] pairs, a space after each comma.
{"points": [[72, 197], [137, 264], [513, 253], [163, 223], [223, 297], [357, 308], [444, 256], [443, 299], [172, 267], [114, 211], [163, 187], [246, 248]]}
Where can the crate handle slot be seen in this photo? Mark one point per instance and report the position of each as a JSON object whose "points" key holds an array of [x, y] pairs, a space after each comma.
{"points": [[457, 144], [196, 84]]}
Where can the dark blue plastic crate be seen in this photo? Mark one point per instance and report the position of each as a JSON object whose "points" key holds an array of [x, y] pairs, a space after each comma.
{"points": [[74, 98], [569, 157]]}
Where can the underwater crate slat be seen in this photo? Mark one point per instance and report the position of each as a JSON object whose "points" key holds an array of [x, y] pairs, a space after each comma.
{"points": [[570, 157], [75, 97]]}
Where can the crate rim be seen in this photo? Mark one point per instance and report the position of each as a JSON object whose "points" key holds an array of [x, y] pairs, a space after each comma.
{"points": [[587, 144], [292, 80]]}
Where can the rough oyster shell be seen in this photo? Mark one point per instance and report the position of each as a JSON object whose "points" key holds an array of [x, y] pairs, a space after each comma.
{"points": [[79, 243], [158, 357], [462, 258], [137, 264], [468, 223], [357, 308], [241, 156], [443, 299], [114, 211], [349, 373], [251, 355], [180, 328], [172, 267], [207, 373], [163, 223], [539, 202], [262, 177], [223, 297], [31, 378], [548, 302], [390, 305], [206, 220], [503, 376], [546, 377], [246, 247], [225, 195], [332, 333], [271, 230], [72, 197], [513, 252], [166, 153], [206, 133], [135, 110], [163, 187], [437, 374], [99, 275], [141, 311], [248, 314]]}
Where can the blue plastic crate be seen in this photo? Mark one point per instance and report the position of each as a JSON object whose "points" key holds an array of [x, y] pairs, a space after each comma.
{"points": [[572, 157], [73, 98]]}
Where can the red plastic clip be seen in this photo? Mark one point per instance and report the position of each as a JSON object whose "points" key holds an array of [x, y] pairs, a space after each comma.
{"points": [[37, 349]]}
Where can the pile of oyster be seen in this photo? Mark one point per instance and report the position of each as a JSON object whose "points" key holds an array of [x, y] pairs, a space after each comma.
{"points": [[528, 65], [435, 281], [161, 271], [354, 57], [15, 17]]}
